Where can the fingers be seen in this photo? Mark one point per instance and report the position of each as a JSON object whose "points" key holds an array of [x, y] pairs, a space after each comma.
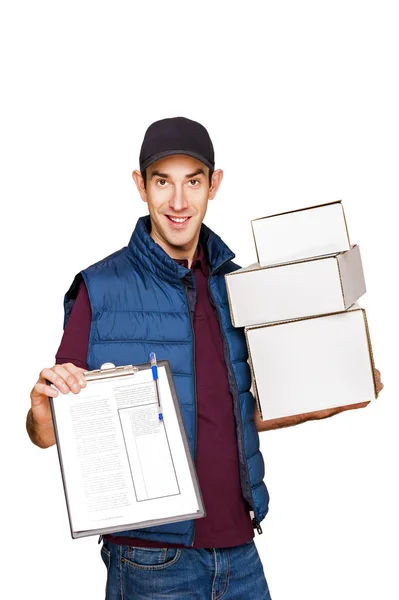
{"points": [[67, 378], [380, 385], [42, 389]]}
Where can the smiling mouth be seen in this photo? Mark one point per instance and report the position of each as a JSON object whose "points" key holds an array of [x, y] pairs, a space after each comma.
{"points": [[178, 220]]}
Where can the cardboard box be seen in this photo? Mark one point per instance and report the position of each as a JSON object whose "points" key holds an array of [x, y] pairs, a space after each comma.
{"points": [[312, 364], [311, 287], [299, 234]]}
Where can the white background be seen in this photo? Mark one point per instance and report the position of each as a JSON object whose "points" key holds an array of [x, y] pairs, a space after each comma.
{"points": [[301, 101]]}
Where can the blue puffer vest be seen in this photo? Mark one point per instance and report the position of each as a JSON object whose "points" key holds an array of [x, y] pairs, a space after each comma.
{"points": [[143, 301]]}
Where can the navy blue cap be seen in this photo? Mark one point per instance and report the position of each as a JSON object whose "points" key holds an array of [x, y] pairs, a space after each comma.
{"points": [[176, 135]]}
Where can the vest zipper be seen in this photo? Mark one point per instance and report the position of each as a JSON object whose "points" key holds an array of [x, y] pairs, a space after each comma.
{"points": [[256, 525], [255, 520], [195, 390]]}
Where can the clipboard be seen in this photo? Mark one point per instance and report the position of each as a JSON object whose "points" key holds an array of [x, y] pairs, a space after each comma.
{"points": [[122, 467]]}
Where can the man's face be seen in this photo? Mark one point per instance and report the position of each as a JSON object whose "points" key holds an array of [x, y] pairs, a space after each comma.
{"points": [[177, 193]]}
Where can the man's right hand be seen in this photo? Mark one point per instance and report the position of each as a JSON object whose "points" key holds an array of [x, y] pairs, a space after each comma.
{"points": [[39, 423]]}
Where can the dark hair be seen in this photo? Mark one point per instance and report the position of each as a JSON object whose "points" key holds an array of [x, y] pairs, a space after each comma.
{"points": [[144, 176]]}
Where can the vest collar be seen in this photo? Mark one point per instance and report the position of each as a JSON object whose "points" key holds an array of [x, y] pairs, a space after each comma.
{"points": [[148, 252]]}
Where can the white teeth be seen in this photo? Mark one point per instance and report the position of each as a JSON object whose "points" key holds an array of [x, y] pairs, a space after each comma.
{"points": [[178, 220]]}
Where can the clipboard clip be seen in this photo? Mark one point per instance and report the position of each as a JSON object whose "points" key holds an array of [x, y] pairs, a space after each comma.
{"points": [[110, 370]]}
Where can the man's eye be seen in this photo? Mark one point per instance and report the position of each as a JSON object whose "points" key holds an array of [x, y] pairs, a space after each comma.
{"points": [[194, 181], [161, 182]]}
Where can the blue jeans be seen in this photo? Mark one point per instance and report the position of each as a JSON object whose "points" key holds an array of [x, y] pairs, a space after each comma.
{"points": [[190, 573]]}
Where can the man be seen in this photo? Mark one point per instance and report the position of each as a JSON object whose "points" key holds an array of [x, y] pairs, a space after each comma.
{"points": [[166, 292]]}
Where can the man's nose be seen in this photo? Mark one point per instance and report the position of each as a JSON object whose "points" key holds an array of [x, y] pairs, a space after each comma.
{"points": [[178, 200]]}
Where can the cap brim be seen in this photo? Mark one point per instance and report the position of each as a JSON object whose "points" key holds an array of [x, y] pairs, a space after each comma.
{"points": [[159, 155]]}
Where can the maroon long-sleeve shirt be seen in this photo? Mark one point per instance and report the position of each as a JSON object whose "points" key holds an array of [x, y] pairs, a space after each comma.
{"points": [[227, 521]]}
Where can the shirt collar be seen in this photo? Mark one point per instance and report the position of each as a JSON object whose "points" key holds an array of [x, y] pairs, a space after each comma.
{"points": [[199, 260]]}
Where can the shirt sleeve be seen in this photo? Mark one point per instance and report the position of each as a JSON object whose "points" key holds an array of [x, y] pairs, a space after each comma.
{"points": [[75, 340]]}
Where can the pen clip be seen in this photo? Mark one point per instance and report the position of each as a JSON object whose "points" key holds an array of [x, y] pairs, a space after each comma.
{"points": [[154, 369]]}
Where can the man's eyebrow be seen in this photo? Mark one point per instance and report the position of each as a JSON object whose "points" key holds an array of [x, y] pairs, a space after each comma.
{"points": [[158, 174], [197, 172]]}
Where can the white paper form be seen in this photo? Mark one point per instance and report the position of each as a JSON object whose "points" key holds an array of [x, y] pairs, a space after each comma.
{"points": [[146, 441], [122, 465]]}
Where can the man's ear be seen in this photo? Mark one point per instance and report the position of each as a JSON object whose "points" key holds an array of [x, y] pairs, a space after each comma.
{"points": [[217, 177], [139, 181]]}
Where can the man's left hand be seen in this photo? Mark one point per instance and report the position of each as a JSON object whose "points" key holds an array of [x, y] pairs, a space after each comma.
{"points": [[380, 385], [319, 414], [322, 414]]}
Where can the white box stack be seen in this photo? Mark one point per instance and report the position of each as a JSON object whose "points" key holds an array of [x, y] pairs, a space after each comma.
{"points": [[308, 339]]}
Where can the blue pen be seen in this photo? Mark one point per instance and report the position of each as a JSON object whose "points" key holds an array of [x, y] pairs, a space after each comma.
{"points": [[154, 369]]}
